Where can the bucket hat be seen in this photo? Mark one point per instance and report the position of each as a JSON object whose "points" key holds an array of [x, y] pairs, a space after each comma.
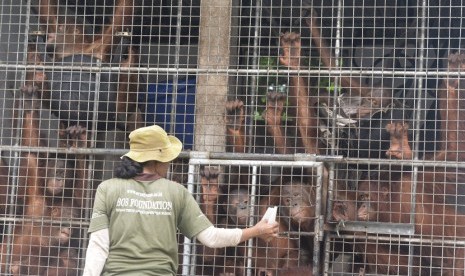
{"points": [[153, 143]]}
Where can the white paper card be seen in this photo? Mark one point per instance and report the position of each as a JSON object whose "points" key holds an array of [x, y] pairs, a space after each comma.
{"points": [[270, 214]]}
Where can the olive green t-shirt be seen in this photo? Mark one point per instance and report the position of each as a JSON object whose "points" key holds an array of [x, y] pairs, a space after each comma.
{"points": [[143, 218]]}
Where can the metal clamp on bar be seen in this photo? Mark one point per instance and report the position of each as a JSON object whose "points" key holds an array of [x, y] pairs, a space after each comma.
{"points": [[317, 157], [378, 227], [305, 157], [199, 155], [37, 33], [123, 34]]}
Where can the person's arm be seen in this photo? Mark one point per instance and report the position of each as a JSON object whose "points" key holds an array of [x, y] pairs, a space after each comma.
{"points": [[97, 252], [263, 230], [221, 237]]}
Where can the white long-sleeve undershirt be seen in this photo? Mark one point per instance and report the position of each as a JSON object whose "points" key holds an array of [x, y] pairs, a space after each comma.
{"points": [[97, 252], [220, 237]]}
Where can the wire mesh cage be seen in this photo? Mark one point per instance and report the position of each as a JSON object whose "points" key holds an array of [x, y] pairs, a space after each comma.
{"points": [[347, 115], [231, 202]]}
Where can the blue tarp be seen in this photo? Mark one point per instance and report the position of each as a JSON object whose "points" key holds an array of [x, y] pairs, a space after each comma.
{"points": [[159, 108]]}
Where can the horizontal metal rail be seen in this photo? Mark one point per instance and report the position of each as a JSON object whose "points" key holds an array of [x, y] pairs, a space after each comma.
{"points": [[400, 238], [245, 156], [377, 227], [245, 72], [72, 222]]}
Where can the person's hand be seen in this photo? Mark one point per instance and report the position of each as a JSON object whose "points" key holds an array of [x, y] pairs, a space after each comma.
{"points": [[266, 231]]}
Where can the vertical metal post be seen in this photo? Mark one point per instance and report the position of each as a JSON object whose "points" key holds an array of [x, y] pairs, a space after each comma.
{"points": [[335, 107], [254, 79], [250, 245], [187, 268], [177, 52], [418, 117], [14, 169], [331, 176], [319, 221], [90, 158]]}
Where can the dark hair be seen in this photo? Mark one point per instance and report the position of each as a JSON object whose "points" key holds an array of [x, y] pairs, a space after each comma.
{"points": [[128, 168]]}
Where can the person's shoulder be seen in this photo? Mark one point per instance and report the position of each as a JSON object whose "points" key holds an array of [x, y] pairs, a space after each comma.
{"points": [[168, 181], [173, 184], [112, 181]]}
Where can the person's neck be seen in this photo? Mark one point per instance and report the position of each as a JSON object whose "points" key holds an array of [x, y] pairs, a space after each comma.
{"points": [[147, 176], [153, 168]]}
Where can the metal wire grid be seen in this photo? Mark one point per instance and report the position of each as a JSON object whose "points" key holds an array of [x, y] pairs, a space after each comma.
{"points": [[363, 35], [299, 240]]}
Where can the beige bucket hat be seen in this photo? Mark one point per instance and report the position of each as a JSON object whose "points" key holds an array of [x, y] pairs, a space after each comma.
{"points": [[153, 143]]}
